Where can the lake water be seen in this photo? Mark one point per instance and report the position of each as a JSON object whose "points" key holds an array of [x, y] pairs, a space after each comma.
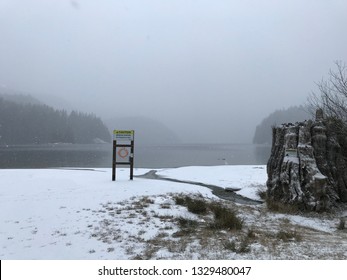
{"points": [[100, 155]]}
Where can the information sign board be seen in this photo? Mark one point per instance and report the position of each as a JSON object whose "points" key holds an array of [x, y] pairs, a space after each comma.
{"points": [[123, 150], [123, 135]]}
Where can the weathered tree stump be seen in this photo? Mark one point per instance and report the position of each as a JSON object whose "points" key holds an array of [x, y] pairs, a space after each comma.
{"points": [[307, 168]]}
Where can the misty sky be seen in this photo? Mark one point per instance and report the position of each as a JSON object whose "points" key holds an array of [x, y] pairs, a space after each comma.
{"points": [[209, 69]]}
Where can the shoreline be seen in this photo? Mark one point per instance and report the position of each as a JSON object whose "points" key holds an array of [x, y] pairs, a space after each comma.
{"points": [[220, 192]]}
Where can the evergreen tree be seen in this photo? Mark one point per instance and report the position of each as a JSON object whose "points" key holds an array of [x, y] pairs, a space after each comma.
{"points": [[40, 124], [263, 131]]}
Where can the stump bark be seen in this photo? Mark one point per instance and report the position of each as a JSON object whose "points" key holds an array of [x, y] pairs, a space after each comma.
{"points": [[307, 167]]}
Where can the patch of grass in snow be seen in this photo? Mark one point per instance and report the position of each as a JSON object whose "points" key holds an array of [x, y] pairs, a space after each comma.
{"points": [[287, 236], [225, 218], [195, 205], [244, 243], [276, 206], [261, 193], [230, 245], [162, 240], [165, 206], [342, 224], [251, 234], [187, 227], [241, 248], [141, 203], [180, 200], [186, 222], [222, 230]]}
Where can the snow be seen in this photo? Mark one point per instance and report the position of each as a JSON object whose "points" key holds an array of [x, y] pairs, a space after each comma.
{"points": [[247, 177], [287, 159], [82, 214], [44, 213], [319, 176]]}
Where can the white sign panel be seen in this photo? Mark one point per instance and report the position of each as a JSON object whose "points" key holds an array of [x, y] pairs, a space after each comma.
{"points": [[123, 154], [123, 135]]}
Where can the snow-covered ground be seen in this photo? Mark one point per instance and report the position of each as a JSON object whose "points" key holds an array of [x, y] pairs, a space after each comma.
{"points": [[82, 214], [247, 177]]}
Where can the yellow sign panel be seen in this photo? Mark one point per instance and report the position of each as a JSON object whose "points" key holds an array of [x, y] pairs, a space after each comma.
{"points": [[123, 135]]}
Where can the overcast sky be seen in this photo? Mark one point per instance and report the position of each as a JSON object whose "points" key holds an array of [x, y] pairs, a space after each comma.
{"points": [[209, 69]]}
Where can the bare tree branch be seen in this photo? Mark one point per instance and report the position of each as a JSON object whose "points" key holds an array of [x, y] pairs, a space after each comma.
{"points": [[332, 93]]}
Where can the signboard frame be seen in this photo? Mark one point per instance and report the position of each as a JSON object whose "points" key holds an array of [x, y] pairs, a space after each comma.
{"points": [[121, 139]]}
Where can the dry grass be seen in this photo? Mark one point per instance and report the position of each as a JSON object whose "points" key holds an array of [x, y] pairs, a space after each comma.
{"points": [[225, 218], [279, 207], [342, 224], [196, 205], [261, 193], [214, 229], [287, 236]]}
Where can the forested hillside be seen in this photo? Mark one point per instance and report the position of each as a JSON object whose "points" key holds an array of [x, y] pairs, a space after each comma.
{"points": [[148, 131], [28, 123], [263, 134]]}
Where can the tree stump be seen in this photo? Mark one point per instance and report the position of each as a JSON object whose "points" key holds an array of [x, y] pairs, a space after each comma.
{"points": [[307, 168]]}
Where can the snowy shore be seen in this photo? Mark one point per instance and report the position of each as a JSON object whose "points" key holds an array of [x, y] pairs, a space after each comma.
{"points": [[82, 214]]}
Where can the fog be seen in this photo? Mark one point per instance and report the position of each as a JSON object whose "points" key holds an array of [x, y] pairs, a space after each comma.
{"points": [[210, 70]]}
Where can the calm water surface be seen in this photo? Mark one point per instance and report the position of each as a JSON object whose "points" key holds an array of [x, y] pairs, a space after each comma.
{"points": [[100, 155]]}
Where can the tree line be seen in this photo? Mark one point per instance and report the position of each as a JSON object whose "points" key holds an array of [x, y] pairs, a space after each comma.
{"points": [[293, 114], [330, 97], [40, 124]]}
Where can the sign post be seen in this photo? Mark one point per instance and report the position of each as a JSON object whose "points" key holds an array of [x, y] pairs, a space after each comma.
{"points": [[123, 150]]}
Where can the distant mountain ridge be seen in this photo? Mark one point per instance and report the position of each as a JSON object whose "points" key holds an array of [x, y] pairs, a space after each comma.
{"points": [[18, 98], [263, 132], [25, 120], [147, 131], [29, 98]]}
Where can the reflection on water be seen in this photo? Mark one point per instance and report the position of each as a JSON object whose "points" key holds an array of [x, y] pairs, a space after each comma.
{"points": [[100, 155], [55, 155]]}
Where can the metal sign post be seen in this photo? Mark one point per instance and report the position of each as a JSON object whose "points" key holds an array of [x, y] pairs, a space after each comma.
{"points": [[123, 150]]}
